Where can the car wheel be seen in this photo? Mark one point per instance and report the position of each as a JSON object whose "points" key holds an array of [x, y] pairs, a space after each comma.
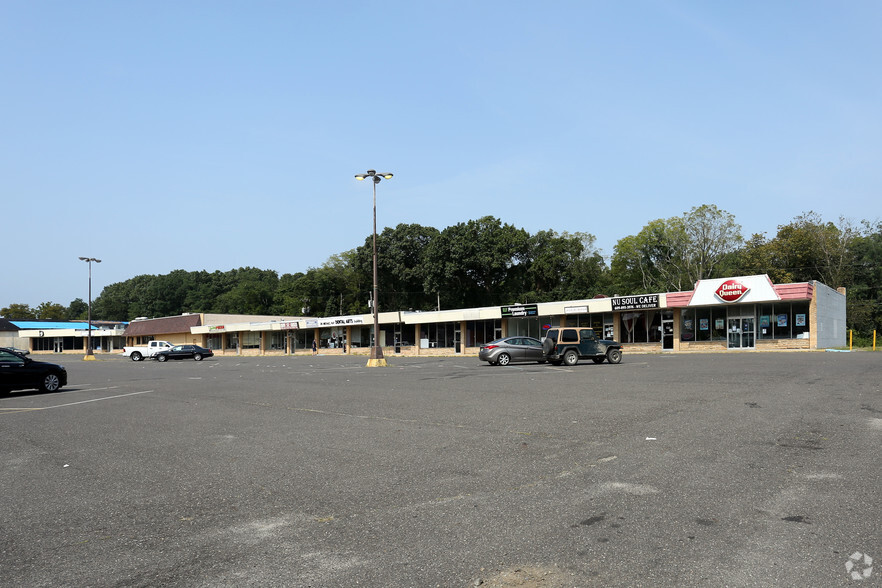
{"points": [[547, 346], [571, 358], [614, 356], [198, 357], [503, 359], [597, 359], [50, 383], [161, 358], [137, 356]]}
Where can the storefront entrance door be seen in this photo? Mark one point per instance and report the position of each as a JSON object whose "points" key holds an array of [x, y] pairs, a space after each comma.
{"points": [[58, 345], [667, 334], [667, 326], [742, 331]]}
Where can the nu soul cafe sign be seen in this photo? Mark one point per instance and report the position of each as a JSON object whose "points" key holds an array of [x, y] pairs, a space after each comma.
{"points": [[634, 302]]}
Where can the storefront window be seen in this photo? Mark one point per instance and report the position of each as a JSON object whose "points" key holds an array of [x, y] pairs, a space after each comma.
{"points": [[766, 317], [718, 324], [301, 340], [251, 340], [784, 320], [232, 340], [439, 335], [214, 341], [800, 315], [701, 325], [480, 332], [781, 321], [407, 335], [641, 326], [528, 327], [277, 340], [591, 321], [687, 326]]}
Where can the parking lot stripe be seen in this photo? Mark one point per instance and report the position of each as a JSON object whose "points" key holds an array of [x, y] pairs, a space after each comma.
{"points": [[80, 402]]}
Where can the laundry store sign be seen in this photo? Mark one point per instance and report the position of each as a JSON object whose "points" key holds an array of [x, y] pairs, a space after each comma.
{"points": [[634, 302], [731, 291], [520, 310]]}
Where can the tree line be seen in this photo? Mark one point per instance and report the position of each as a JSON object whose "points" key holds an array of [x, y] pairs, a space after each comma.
{"points": [[486, 262]]}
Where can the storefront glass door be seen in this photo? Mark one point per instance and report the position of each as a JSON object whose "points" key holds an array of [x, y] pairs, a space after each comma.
{"points": [[742, 332], [667, 326]]}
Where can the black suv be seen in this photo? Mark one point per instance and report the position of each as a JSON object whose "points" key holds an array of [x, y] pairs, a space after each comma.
{"points": [[569, 345], [18, 372]]}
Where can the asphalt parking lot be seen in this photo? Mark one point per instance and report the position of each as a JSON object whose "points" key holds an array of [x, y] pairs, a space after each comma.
{"points": [[741, 469]]}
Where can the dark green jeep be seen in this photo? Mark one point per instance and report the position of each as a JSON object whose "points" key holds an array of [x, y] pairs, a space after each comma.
{"points": [[569, 345]]}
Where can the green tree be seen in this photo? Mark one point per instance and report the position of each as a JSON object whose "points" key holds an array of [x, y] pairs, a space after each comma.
{"points": [[563, 267], [50, 311], [477, 263], [759, 255], [77, 309], [864, 296], [18, 311], [712, 237], [253, 292], [401, 266], [673, 254]]}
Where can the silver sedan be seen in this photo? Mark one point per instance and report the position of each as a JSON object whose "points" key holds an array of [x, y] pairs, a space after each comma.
{"points": [[504, 351]]}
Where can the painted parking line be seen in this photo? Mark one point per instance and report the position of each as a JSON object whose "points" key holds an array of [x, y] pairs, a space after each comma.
{"points": [[14, 410]]}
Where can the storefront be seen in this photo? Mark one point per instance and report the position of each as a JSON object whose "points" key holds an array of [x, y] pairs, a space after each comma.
{"points": [[71, 337], [750, 312], [741, 313]]}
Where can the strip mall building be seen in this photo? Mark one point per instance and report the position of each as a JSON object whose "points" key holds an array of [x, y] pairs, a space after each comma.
{"points": [[739, 313]]}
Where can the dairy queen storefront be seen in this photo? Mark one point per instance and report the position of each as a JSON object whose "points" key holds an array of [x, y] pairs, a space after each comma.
{"points": [[741, 313]]}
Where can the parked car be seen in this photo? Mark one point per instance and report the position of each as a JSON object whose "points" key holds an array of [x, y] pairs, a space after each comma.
{"points": [[569, 345], [18, 372], [509, 349], [150, 350], [184, 352]]}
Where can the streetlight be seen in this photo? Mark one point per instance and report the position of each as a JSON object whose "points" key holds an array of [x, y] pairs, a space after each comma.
{"points": [[89, 354], [376, 359]]}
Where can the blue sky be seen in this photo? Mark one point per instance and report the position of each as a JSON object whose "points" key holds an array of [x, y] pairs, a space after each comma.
{"points": [[215, 135]]}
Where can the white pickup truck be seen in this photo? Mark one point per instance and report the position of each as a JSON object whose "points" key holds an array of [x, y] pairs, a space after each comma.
{"points": [[149, 350]]}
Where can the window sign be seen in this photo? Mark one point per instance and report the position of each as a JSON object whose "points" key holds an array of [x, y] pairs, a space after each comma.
{"points": [[800, 320], [704, 324], [687, 324], [782, 320], [764, 320], [719, 324]]}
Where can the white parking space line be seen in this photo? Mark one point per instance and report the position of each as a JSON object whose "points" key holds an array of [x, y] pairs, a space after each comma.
{"points": [[96, 400]]}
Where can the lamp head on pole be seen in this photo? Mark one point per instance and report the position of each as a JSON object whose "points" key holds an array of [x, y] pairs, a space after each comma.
{"points": [[373, 175]]}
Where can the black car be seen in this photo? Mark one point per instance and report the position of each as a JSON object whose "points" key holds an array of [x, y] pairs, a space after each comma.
{"points": [[504, 351], [18, 372], [184, 352]]}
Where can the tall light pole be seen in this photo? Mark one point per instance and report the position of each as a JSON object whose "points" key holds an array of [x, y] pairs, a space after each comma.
{"points": [[89, 354], [376, 359]]}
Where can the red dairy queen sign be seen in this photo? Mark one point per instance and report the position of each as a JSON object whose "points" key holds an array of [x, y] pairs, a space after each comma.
{"points": [[731, 291]]}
